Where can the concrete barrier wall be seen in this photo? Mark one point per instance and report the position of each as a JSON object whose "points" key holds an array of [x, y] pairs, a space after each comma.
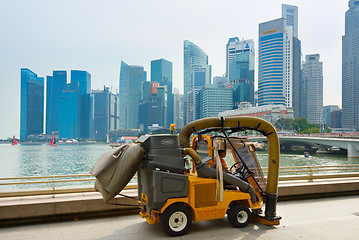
{"points": [[14, 210]]}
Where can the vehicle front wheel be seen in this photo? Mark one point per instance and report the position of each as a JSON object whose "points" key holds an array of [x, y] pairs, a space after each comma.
{"points": [[176, 220], [239, 216]]}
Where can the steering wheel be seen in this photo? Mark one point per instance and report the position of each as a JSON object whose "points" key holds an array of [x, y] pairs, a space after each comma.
{"points": [[230, 169]]}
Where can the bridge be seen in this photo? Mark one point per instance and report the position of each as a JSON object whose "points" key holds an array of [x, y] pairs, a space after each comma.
{"points": [[352, 145]]}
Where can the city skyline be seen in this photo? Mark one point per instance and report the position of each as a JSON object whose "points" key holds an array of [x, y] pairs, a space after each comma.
{"points": [[96, 53]]}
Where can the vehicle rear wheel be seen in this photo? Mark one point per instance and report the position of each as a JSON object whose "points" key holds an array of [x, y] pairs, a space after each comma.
{"points": [[239, 216], [176, 220]]}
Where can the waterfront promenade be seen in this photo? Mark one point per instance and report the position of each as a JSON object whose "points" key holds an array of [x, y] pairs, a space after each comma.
{"points": [[325, 218]]}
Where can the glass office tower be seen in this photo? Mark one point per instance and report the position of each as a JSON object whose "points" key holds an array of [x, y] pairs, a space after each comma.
{"points": [[86, 118], [240, 72], [70, 111], [350, 69], [131, 78], [32, 104], [275, 68], [193, 55], [54, 86], [161, 72]]}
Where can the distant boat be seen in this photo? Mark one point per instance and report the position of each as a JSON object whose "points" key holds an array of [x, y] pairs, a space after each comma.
{"points": [[14, 141], [53, 142], [71, 141], [306, 154]]}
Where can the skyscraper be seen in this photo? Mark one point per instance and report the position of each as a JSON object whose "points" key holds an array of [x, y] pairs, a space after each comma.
{"points": [[131, 78], [198, 81], [297, 84], [327, 110], [161, 72], [54, 86], [178, 108], [106, 110], [240, 69], [70, 111], [350, 69], [32, 104], [214, 99], [193, 55], [86, 118], [153, 105], [272, 63], [312, 77], [290, 13]]}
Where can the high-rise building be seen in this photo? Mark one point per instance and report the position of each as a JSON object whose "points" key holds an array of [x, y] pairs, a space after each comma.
{"points": [[240, 69], [106, 111], [327, 110], [312, 78], [336, 119], [54, 86], [198, 81], [290, 13], [214, 99], [131, 78], [86, 118], [32, 104], [297, 84], [220, 80], [161, 72], [274, 68], [70, 111], [153, 106], [193, 55], [178, 108], [350, 69]]}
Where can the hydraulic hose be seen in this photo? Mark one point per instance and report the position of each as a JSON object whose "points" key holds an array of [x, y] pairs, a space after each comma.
{"points": [[244, 122]]}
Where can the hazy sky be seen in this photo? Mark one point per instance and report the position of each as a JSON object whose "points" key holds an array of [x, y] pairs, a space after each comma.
{"points": [[95, 36]]}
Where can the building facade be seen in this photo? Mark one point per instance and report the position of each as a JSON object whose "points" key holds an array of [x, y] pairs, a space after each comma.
{"points": [[214, 99], [312, 79], [178, 109], [327, 110], [193, 55], [271, 64], [54, 86], [86, 118], [290, 13], [106, 112], [153, 106], [70, 111], [350, 70], [31, 104], [271, 113], [336, 119], [131, 78], [198, 81], [297, 77], [161, 72], [240, 70]]}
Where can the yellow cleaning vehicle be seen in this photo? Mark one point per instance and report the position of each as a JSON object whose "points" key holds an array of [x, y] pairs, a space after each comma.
{"points": [[222, 177]]}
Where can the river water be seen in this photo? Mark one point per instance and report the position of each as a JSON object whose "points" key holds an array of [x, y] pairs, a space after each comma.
{"points": [[44, 160]]}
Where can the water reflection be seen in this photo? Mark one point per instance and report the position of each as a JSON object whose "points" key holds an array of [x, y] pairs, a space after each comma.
{"points": [[44, 160]]}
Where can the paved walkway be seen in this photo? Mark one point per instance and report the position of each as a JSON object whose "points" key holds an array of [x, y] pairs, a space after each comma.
{"points": [[326, 218]]}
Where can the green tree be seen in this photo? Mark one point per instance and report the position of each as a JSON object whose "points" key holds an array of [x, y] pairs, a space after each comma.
{"points": [[299, 124], [283, 124]]}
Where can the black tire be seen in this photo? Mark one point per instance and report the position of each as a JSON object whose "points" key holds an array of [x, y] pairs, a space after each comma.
{"points": [[239, 216], [176, 220]]}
